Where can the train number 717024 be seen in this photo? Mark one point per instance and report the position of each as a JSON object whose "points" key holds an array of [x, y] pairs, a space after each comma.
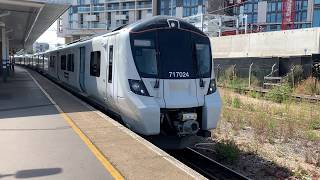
{"points": [[178, 74]]}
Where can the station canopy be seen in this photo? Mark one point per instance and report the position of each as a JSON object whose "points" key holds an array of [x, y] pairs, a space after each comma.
{"points": [[26, 20]]}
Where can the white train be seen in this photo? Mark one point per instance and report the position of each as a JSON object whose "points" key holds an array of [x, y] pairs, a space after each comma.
{"points": [[156, 74]]}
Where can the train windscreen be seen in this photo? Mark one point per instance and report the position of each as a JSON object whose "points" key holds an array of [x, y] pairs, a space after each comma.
{"points": [[171, 54]]}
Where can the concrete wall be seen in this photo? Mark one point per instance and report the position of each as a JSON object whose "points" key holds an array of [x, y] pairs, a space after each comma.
{"points": [[268, 44]]}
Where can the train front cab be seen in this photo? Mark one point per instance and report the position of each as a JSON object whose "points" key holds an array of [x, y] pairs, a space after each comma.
{"points": [[173, 91]]}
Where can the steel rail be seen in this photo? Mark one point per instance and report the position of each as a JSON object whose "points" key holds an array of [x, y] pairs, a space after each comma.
{"points": [[206, 166]]}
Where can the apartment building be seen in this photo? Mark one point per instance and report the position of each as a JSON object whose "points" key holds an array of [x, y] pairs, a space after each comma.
{"points": [[179, 8], [88, 17], [273, 15]]}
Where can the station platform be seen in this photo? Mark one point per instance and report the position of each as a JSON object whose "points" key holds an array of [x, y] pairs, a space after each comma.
{"points": [[47, 133]]}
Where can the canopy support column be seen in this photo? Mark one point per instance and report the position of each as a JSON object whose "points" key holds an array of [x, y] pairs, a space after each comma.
{"points": [[4, 54]]}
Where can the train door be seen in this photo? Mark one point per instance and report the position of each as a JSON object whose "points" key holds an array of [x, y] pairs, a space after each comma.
{"points": [[63, 68], [42, 68], [58, 65], [111, 54], [82, 68], [38, 63]]}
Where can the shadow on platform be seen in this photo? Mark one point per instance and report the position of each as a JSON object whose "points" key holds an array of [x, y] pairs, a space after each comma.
{"points": [[33, 173]]}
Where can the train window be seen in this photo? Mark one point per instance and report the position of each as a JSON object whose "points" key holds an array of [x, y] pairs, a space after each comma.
{"points": [[142, 43], [52, 61], [95, 59], [70, 64], [63, 62], [203, 59], [110, 64], [176, 55], [145, 57], [145, 54]]}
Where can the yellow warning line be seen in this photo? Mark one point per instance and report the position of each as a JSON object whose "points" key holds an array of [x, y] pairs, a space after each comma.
{"points": [[93, 148]]}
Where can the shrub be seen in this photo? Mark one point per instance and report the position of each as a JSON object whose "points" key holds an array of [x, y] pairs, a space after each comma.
{"points": [[227, 151], [238, 85], [272, 127], [236, 103], [315, 124], [297, 73], [309, 86], [312, 136], [255, 94], [249, 107], [255, 81], [294, 77], [227, 100], [300, 173], [279, 94], [228, 73]]}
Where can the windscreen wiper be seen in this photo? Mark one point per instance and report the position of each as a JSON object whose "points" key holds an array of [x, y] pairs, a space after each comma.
{"points": [[157, 83]]}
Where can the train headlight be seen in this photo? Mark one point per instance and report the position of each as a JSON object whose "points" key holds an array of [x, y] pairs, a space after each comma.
{"points": [[212, 87], [138, 87]]}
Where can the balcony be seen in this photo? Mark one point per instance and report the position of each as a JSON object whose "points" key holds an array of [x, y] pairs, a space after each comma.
{"points": [[144, 6], [90, 18], [83, 26], [83, 9], [93, 25], [121, 17], [113, 8], [98, 8], [127, 7], [112, 1], [98, 26]]}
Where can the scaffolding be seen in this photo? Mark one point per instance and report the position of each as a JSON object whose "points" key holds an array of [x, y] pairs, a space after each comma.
{"points": [[219, 25]]}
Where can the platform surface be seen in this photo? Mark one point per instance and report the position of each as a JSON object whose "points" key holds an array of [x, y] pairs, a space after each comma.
{"points": [[37, 140]]}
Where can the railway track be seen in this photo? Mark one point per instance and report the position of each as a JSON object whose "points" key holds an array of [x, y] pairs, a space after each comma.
{"points": [[206, 166]]}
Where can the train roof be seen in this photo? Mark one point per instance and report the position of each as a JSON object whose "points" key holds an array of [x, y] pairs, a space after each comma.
{"points": [[157, 22]]}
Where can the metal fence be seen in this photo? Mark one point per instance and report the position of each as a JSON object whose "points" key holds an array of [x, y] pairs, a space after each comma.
{"points": [[260, 74]]}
